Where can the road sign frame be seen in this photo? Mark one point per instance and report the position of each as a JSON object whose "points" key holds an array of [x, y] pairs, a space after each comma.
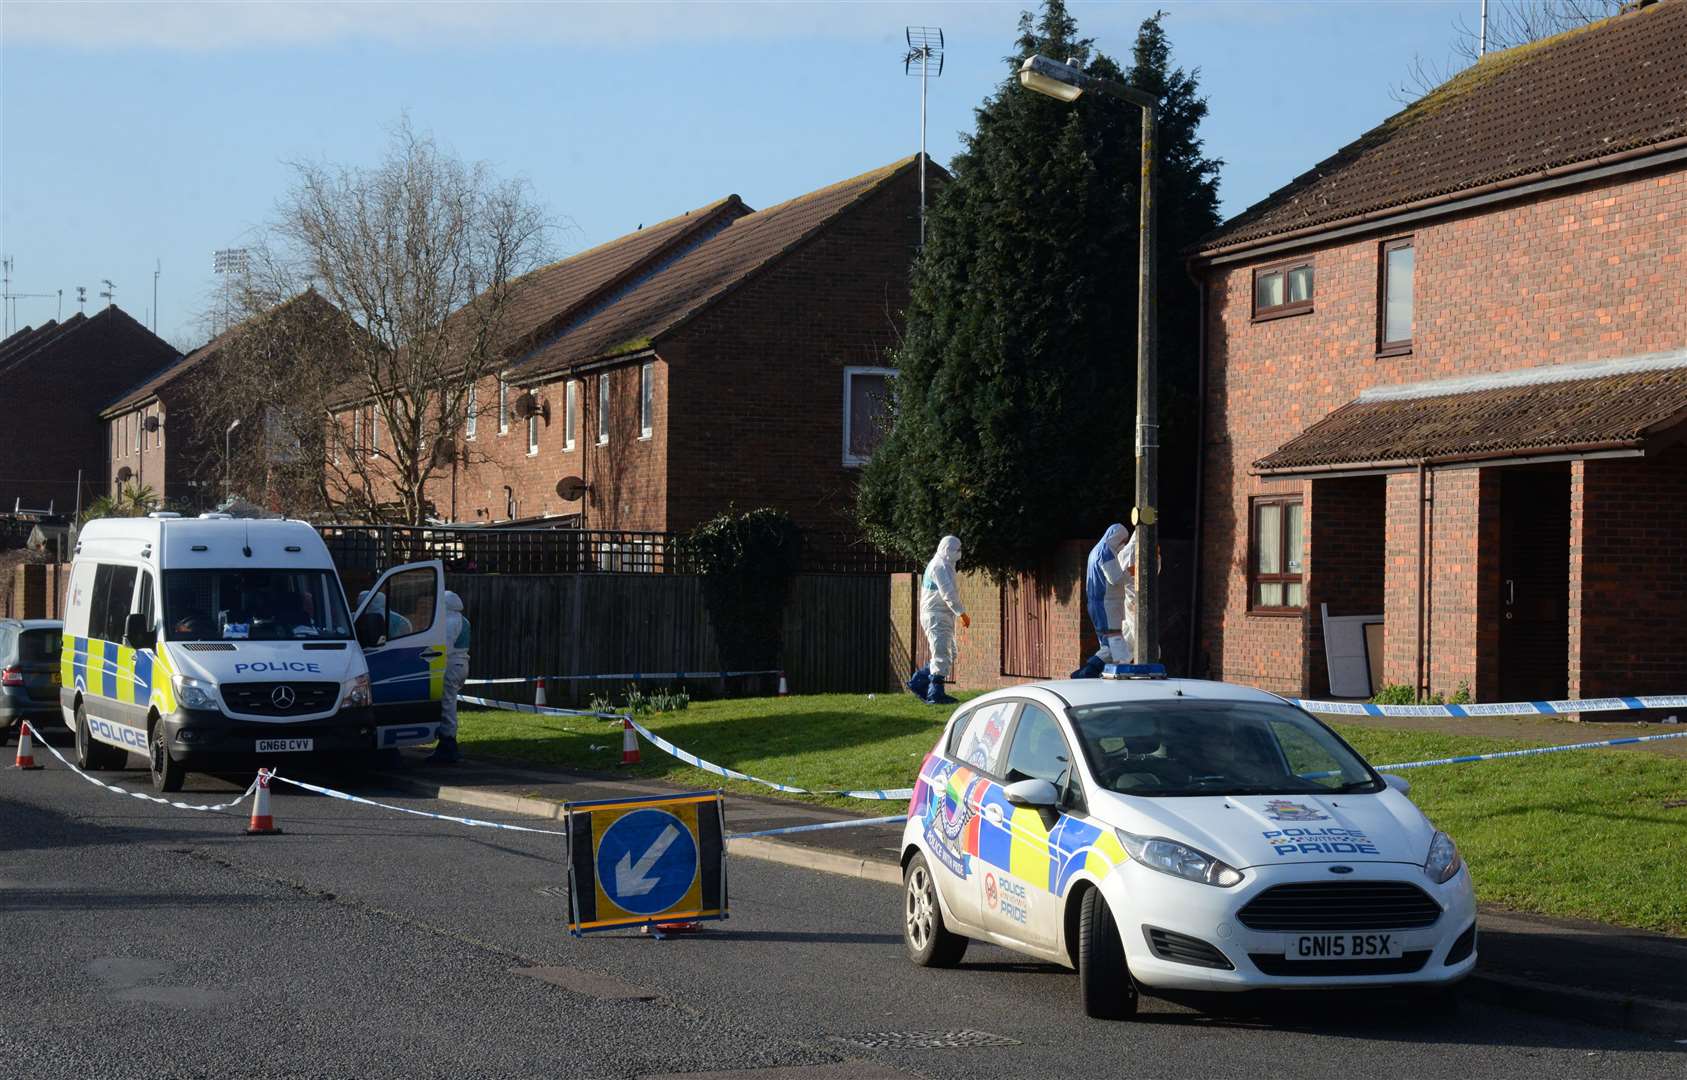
{"points": [[707, 831]]}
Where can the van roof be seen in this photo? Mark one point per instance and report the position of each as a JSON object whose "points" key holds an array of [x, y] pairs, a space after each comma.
{"points": [[215, 543]]}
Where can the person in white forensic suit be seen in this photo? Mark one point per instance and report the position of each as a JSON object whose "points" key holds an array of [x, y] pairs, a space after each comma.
{"points": [[456, 673]]}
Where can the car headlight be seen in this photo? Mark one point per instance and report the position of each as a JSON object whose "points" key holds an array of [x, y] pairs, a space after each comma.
{"points": [[194, 693], [1179, 860], [357, 692], [1443, 861]]}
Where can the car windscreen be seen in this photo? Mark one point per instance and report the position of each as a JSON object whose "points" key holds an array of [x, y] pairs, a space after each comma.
{"points": [[1186, 746], [39, 646], [254, 605]]}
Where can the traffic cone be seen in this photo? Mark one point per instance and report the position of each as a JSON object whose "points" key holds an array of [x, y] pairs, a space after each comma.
{"points": [[26, 749], [784, 687], [539, 695], [629, 742], [262, 823]]}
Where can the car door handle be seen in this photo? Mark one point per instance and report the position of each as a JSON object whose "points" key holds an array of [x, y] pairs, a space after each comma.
{"points": [[1510, 591], [431, 654]]}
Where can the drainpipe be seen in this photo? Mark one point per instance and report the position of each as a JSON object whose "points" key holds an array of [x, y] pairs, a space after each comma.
{"points": [[1418, 685], [1200, 465]]}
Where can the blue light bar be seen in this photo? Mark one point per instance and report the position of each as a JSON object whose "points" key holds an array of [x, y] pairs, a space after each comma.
{"points": [[1134, 671]]}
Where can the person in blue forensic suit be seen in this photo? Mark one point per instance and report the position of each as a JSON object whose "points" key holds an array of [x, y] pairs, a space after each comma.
{"points": [[456, 673], [1110, 598], [940, 606]]}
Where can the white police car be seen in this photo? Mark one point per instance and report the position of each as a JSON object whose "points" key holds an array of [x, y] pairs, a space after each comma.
{"points": [[1180, 835]]}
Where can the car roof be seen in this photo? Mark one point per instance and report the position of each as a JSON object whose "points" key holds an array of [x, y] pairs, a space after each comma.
{"points": [[1081, 692]]}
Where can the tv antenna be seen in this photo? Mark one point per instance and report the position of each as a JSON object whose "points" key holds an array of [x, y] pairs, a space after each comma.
{"points": [[110, 292], [9, 299], [81, 299], [924, 59], [157, 268]]}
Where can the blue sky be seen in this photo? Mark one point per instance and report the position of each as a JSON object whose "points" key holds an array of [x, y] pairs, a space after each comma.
{"points": [[135, 132]]}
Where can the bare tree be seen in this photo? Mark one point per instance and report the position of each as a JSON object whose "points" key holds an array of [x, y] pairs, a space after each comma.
{"points": [[1510, 23], [424, 253]]}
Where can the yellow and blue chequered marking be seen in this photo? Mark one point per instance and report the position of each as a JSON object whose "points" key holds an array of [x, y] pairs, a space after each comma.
{"points": [[116, 672]]}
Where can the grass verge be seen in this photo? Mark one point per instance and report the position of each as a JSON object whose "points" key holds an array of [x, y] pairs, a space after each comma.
{"points": [[1585, 834]]}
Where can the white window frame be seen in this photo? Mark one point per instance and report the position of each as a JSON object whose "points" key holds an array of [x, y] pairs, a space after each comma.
{"points": [[533, 435], [571, 414], [139, 427], [647, 399], [357, 432], [503, 406], [849, 459], [603, 409], [471, 421], [374, 428]]}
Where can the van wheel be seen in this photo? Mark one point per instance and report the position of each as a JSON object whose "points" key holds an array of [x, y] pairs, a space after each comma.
{"points": [[1104, 978], [93, 756], [167, 775], [930, 943]]}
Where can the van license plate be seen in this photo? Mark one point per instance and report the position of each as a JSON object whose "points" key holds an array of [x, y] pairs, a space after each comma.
{"points": [[282, 746], [1345, 947]]}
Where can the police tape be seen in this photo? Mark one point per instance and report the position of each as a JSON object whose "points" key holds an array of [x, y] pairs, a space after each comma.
{"points": [[349, 797], [541, 710], [1467, 758], [634, 676], [854, 823], [875, 794], [1566, 707], [236, 801]]}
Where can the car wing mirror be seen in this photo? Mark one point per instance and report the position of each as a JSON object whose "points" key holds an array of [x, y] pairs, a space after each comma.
{"points": [[138, 632], [371, 629], [1034, 793], [1398, 783]]}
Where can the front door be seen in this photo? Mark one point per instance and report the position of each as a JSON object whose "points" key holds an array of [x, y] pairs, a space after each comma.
{"points": [[1534, 600], [407, 668]]}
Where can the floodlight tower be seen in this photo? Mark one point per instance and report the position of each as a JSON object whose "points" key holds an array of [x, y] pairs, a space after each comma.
{"points": [[925, 59]]}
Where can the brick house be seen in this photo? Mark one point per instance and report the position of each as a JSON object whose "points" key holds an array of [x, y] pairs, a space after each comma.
{"points": [[1446, 377], [53, 382], [727, 355], [153, 438]]}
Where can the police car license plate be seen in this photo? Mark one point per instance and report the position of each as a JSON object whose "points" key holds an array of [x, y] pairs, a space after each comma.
{"points": [[1345, 947], [282, 746]]}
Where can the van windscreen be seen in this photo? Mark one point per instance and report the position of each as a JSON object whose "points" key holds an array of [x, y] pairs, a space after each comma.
{"points": [[254, 605]]}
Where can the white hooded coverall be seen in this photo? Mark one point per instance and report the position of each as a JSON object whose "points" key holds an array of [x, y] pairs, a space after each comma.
{"points": [[940, 605], [1112, 564], [456, 663]]}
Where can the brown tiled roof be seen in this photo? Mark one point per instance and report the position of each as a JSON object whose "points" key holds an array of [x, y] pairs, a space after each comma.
{"points": [[695, 278], [1612, 405], [27, 342], [1614, 86]]}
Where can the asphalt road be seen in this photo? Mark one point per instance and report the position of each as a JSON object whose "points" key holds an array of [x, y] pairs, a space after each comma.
{"points": [[142, 940]]}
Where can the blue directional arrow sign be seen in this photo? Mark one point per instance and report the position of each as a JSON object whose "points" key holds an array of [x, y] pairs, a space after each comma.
{"points": [[647, 861]]}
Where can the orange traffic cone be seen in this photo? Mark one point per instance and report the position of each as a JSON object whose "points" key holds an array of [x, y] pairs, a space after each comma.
{"points": [[262, 823], [629, 742], [539, 695], [784, 688], [26, 749]]}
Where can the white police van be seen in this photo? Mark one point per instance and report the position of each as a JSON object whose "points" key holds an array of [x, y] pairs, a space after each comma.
{"points": [[216, 643]]}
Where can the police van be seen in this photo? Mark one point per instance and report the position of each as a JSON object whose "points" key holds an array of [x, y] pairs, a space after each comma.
{"points": [[216, 643]]}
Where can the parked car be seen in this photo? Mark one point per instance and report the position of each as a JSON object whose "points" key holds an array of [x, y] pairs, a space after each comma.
{"points": [[29, 674], [1177, 834]]}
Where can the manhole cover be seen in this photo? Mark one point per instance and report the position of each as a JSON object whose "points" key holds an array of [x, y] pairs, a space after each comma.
{"points": [[923, 1040]]}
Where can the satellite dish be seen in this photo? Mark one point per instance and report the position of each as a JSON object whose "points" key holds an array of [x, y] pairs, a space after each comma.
{"points": [[124, 474], [525, 405], [572, 488], [152, 423]]}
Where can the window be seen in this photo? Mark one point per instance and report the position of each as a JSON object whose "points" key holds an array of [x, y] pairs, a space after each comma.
{"points": [[533, 434], [408, 600], [144, 601], [471, 419], [1275, 563], [134, 418], [254, 605], [978, 738], [571, 414], [356, 432], [503, 406], [1039, 750], [1395, 315], [603, 409], [374, 428], [866, 408], [114, 587], [1284, 289], [646, 393]]}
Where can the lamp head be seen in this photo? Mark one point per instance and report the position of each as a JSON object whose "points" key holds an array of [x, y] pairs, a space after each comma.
{"points": [[1051, 77]]}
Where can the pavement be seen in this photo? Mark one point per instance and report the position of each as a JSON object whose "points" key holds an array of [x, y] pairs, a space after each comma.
{"points": [[148, 940], [1573, 969]]}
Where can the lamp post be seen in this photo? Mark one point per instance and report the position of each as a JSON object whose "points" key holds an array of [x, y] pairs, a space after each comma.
{"points": [[1066, 82], [228, 460]]}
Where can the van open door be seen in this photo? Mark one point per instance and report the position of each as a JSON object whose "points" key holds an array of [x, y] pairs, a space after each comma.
{"points": [[401, 626]]}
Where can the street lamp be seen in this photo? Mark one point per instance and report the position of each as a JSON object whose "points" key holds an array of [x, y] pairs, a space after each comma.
{"points": [[228, 459], [1066, 82]]}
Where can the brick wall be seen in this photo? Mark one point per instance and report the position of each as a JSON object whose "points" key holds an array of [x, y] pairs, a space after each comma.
{"points": [[1592, 273], [148, 465]]}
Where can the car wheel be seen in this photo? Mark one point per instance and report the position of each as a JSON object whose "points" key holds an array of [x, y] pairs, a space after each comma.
{"points": [[930, 943], [167, 775], [1104, 978], [92, 756]]}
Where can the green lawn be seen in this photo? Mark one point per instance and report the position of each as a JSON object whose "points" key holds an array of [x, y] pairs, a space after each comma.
{"points": [[1583, 834]]}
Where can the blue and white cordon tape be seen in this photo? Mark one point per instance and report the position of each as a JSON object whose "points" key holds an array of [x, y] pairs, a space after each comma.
{"points": [[1566, 707], [632, 676], [1465, 759], [236, 801], [541, 710], [348, 797]]}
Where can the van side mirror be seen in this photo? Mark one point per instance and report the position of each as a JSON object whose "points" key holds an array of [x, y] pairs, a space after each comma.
{"points": [[371, 629], [138, 631]]}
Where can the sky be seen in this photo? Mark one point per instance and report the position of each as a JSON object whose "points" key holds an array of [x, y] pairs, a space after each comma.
{"points": [[143, 136]]}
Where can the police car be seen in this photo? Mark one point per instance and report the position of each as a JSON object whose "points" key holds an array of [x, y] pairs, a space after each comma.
{"points": [[1176, 834]]}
